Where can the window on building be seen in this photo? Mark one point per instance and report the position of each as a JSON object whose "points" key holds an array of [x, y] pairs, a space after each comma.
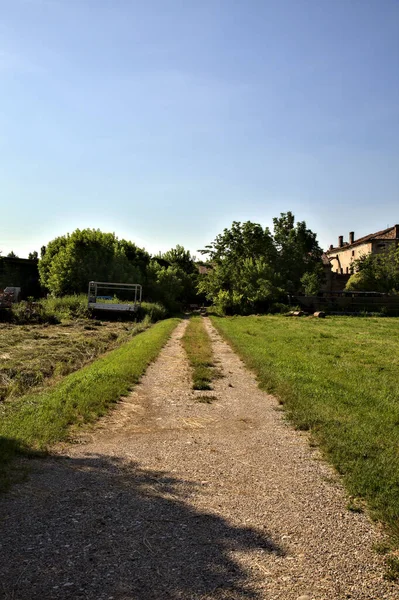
{"points": [[353, 253], [347, 270]]}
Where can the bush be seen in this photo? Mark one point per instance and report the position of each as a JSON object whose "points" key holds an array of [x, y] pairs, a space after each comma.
{"points": [[66, 307], [153, 310]]}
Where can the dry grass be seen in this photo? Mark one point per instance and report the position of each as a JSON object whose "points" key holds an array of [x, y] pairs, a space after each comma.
{"points": [[32, 356]]}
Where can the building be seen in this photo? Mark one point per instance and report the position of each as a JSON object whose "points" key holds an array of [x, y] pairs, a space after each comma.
{"points": [[342, 257]]}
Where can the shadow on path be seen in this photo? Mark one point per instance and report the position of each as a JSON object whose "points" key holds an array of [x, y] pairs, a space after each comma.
{"points": [[98, 528]]}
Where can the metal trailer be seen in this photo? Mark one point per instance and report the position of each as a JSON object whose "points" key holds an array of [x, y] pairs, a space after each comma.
{"points": [[133, 289]]}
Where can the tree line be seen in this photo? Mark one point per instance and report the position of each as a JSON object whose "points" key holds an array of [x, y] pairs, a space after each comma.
{"points": [[249, 268]]}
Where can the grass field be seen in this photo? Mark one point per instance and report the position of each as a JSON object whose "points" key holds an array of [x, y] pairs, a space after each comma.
{"points": [[37, 420], [33, 356], [198, 347], [338, 378]]}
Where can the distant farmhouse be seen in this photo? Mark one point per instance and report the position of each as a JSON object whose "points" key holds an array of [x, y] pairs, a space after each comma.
{"points": [[345, 253]]}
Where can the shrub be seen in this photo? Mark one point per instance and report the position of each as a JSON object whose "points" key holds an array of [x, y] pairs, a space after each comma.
{"points": [[153, 310]]}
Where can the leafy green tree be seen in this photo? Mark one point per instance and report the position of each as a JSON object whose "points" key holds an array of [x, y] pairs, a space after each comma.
{"points": [[182, 258], [165, 285], [12, 254], [33, 255], [311, 282], [298, 251], [252, 268], [187, 271], [242, 240], [71, 261], [376, 272]]}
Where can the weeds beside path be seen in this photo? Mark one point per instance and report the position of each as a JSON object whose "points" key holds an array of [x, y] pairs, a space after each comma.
{"points": [[170, 498]]}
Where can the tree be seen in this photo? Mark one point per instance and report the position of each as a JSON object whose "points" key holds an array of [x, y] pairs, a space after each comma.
{"points": [[246, 240], [182, 258], [252, 268], [12, 254], [187, 271], [71, 261], [376, 272], [297, 251], [33, 255], [165, 285]]}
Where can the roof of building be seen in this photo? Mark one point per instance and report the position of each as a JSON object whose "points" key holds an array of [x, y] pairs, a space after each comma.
{"points": [[378, 235]]}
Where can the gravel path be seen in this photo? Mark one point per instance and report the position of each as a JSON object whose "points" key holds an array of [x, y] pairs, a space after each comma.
{"points": [[170, 497]]}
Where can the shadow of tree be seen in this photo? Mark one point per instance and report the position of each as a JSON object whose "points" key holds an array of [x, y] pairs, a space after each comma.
{"points": [[9, 450], [98, 528]]}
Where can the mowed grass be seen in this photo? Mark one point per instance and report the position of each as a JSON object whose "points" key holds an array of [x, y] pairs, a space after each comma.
{"points": [[338, 378], [198, 347], [35, 421], [34, 356]]}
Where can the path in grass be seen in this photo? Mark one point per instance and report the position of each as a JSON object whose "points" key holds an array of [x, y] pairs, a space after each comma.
{"points": [[172, 497]]}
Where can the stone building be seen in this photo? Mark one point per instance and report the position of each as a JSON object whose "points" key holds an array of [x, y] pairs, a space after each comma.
{"points": [[345, 253]]}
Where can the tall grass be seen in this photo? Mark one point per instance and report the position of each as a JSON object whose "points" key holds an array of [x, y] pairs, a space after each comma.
{"points": [[54, 310], [338, 378]]}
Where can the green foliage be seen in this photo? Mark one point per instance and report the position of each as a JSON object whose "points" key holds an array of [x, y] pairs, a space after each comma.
{"points": [[182, 258], [311, 283], [67, 307], [48, 310], [69, 262], [376, 272], [346, 394], [37, 420], [173, 280], [165, 285], [297, 250], [252, 269], [153, 310]]}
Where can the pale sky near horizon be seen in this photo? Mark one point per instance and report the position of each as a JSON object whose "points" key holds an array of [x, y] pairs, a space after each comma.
{"points": [[165, 120]]}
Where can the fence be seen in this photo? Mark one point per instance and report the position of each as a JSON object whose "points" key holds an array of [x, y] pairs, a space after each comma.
{"points": [[350, 302]]}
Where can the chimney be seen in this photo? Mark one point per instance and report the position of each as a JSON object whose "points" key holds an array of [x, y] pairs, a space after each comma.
{"points": [[396, 231], [331, 247], [340, 241], [351, 237]]}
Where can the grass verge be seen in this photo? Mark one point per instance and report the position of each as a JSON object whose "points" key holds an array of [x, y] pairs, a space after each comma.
{"points": [[198, 347], [338, 378], [35, 421]]}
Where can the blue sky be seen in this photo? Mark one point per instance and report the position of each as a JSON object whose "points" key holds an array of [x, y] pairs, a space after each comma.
{"points": [[165, 120]]}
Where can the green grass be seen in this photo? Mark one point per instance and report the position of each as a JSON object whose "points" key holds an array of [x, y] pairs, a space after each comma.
{"points": [[35, 421], [198, 347], [338, 378]]}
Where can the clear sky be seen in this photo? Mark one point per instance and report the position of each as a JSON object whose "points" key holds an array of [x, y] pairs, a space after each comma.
{"points": [[165, 120]]}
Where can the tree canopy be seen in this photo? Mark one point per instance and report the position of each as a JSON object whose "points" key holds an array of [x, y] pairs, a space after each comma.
{"points": [[252, 267], [376, 272], [69, 262]]}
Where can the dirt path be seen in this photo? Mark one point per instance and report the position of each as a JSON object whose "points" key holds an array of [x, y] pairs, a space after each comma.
{"points": [[172, 498]]}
